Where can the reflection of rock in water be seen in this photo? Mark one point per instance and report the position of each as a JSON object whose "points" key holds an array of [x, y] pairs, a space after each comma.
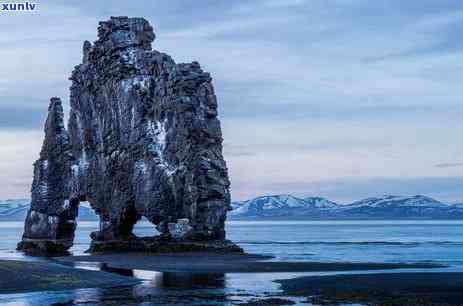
{"points": [[143, 140], [184, 289], [124, 272], [178, 280], [163, 288], [189, 280]]}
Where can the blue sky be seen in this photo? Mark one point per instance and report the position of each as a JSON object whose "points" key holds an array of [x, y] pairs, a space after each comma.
{"points": [[339, 98]]}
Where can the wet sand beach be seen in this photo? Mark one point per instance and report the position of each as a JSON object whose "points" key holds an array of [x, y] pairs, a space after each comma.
{"points": [[26, 276], [20, 276], [404, 289]]}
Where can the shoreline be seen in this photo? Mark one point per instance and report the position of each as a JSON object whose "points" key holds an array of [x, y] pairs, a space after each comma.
{"points": [[381, 288], [229, 263]]}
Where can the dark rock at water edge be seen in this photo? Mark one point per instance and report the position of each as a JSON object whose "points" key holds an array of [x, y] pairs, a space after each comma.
{"points": [[158, 245], [45, 247], [143, 140]]}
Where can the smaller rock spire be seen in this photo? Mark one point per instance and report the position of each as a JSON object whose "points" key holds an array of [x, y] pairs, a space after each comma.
{"points": [[56, 140], [86, 50], [50, 217]]}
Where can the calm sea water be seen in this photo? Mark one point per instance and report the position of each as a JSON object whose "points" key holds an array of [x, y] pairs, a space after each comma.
{"points": [[327, 241]]}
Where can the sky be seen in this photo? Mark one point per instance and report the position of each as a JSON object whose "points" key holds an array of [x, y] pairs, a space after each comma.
{"points": [[343, 99]]}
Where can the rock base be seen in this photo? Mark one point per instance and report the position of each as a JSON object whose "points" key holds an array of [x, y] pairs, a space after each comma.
{"points": [[156, 245], [44, 247]]}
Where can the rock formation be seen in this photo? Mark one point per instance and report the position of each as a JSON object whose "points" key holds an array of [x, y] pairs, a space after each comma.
{"points": [[50, 222], [143, 139]]}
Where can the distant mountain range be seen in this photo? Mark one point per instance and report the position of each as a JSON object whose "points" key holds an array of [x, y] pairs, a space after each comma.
{"points": [[16, 210], [288, 207]]}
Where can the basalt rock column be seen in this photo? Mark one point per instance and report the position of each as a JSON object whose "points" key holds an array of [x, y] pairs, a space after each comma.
{"points": [[145, 140], [50, 222]]}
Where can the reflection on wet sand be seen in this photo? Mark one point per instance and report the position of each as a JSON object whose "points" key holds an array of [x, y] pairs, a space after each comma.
{"points": [[189, 280], [177, 280], [123, 272], [156, 287]]}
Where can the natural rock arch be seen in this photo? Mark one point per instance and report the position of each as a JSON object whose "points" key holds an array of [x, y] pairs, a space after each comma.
{"points": [[143, 139]]}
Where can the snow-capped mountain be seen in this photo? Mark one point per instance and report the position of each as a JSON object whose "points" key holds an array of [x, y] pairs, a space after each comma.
{"points": [[13, 210], [320, 203], [280, 206], [396, 201], [384, 207], [390, 206], [288, 207], [16, 210]]}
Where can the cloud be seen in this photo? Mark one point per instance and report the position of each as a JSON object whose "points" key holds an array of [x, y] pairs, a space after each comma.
{"points": [[224, 28], [18, 151], [284, 3], [21, 118], [449, 165], [309, 91], [237, 150]]}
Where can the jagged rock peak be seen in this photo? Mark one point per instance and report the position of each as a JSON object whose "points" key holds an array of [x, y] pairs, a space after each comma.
{"points": [[123, 32], [55, 118], [51, 170], [86, 50], [56, 136], [50, 217]]}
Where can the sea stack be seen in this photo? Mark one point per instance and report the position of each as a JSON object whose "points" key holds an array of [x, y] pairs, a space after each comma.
{"points": [[143, 140]]}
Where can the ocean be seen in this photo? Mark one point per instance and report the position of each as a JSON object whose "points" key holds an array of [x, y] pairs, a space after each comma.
{"points": [[318, 241]]}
